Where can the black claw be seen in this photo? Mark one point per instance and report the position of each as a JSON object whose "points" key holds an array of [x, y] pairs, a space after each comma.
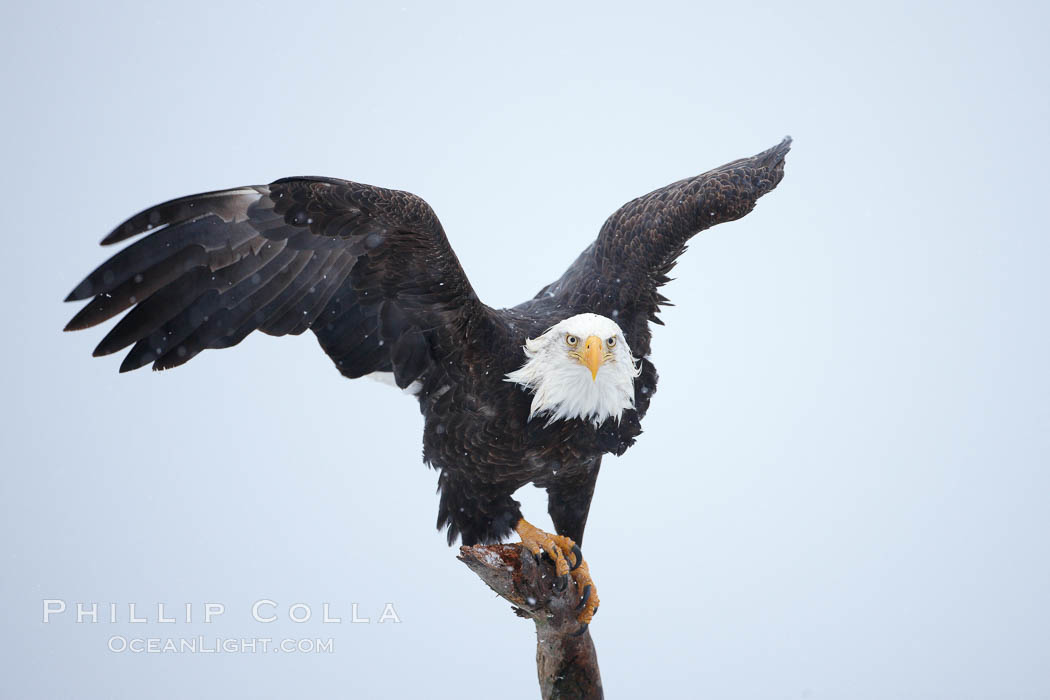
{"points": [[577, 633], [561, 583], [586, 596], [578, 553]]}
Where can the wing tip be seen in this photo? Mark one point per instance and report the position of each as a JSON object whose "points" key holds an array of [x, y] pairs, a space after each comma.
{"points": [[770, 163], [132, 362], [81, 292], [777, 153], [114, 236], [143, 222]]}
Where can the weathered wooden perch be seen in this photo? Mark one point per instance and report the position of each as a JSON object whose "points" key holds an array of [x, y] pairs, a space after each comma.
{"points": [[567, 664]]}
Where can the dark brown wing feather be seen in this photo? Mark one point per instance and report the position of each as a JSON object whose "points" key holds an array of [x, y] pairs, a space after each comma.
{"points": [[619, 274], [369, 270]]}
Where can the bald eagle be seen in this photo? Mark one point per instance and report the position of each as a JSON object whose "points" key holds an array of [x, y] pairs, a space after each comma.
{"points": [[537, 393]]}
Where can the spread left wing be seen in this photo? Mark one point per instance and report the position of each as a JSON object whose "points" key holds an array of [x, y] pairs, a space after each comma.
{"points": [[620, 273], [368, 270]]}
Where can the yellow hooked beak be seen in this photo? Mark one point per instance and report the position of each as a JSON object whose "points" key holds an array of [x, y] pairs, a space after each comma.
{"points": [[592, 355]]}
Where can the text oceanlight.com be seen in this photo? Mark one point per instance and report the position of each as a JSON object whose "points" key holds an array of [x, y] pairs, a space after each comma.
{"points": [[217, 645]]}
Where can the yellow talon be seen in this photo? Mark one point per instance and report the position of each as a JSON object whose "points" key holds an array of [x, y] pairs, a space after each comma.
{"points": [[562, 550]]}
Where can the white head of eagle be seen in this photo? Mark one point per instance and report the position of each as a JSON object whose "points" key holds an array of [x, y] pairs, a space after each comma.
{"points": [[579, 368]]}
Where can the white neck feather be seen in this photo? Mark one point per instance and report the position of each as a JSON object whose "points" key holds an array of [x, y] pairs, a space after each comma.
{"points": [[563, 388]]}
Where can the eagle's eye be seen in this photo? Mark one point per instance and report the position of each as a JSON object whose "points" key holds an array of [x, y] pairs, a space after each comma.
{"points": [[571, 340], [611, 342]]}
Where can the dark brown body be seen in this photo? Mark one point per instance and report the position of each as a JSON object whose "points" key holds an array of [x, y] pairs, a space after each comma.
{"points": [[478, 433]]}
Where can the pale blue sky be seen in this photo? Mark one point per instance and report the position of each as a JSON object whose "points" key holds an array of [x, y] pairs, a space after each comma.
{"points": [[842, 487]]}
